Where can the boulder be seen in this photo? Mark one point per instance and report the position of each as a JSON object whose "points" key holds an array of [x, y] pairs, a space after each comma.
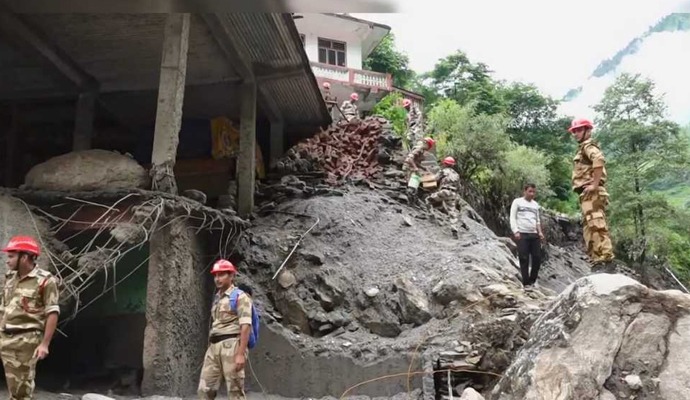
{"points": [[458, 288], [471, 394], [414, 305], [600, 330], [87, 170]]}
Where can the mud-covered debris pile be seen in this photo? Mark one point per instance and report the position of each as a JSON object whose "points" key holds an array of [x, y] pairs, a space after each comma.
{"points": [[346, 151]]}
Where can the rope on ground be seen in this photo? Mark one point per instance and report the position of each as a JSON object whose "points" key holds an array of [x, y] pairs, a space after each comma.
{"points": [[417, 373]]}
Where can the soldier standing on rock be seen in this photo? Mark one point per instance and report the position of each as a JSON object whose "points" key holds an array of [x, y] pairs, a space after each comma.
{"points": [[30, 312], [589, 178], [414, 121], [447, 194], [229, 337], [413, 163]]}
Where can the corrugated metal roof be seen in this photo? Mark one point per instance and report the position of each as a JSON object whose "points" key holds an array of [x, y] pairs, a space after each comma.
{"points": [[272, 40], [123, 51]]}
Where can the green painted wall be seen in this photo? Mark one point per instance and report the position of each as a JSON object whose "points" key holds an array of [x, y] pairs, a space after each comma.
{"points": [[129, 296]]}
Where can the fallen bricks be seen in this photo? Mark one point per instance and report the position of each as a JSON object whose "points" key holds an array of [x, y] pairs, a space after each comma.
{"points": [[346, 151]]}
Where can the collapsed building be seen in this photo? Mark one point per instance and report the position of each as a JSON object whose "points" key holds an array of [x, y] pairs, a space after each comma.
{"points": [[131, 145]]}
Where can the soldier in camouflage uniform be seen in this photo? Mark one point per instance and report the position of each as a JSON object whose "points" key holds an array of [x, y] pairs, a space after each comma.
{"points": [[227, 351], [412, 162], [414, 121], [447, 194], [29, 316], [349, 108], [589, 178]]}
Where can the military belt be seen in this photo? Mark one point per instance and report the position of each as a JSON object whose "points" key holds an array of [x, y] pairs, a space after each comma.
{"points": [[581, 189], [220, 338], [18, 331]]}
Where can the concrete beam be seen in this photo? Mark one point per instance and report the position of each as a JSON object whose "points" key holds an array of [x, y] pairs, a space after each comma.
{"points": [[170, 99], [18, 30], [246, 159], [240, 62], [83, 122], [277, 142]]}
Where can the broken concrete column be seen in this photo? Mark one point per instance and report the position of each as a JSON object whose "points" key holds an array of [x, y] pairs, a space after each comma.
{"points": [[177, 311], [170, 99], [246, 160], [83, 122]]}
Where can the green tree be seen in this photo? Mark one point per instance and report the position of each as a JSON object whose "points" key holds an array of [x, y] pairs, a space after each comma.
{"points": [[536, 123], [642, 148], [456, 77], [390, 107], [478, 142], [387, 59]]}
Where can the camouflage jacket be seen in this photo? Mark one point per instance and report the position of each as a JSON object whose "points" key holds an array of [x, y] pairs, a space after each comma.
{"points": [[27, 302], [414, 118], [416, 156], [588, 157], [224, 320], [448, 179]]}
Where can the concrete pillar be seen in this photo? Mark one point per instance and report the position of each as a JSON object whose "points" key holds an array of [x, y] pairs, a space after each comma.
{"points": [[246, 161], [83, 121], [170, 100], [177, 312], [277, 144]]}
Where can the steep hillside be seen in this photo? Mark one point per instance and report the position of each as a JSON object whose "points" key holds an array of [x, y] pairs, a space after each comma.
{"points": [[661, 53]]}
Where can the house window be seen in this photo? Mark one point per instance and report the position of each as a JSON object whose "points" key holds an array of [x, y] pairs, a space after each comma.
{"points": [[302, 38], [331, 52]]}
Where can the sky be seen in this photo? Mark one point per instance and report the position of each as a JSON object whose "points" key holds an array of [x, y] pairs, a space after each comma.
{"points": [[555, 44]]}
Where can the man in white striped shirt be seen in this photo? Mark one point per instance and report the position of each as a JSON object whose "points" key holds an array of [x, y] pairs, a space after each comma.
{"points": [[525, 222]]}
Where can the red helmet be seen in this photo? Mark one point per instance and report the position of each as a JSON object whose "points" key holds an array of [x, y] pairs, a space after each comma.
{"points": [[326, 85], [579, 123], [449, 161], [430, 142], [407, 103], [354, 97], [223, 266], [25, 244]]}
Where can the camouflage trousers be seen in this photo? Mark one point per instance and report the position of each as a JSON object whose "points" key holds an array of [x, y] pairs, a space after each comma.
{"points": [[596, 231], [414, 134], [448, 200], [219, 363], [18, 360]]}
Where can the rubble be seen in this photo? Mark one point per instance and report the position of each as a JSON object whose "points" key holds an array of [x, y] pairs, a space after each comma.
{"points": [[346, 151]]}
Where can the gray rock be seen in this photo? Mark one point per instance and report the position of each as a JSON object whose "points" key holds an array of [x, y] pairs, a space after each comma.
{"points": [[414, 305], [372, 292], [87, 170], [634, 382], [471, 394], [94, 396], [573, 347], [286, 279], [313, 256], [380, 321], [456, 288], [675, 377]]}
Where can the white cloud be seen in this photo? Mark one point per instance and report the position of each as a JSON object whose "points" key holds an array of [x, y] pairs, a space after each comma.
{"points": [[554, 44]]}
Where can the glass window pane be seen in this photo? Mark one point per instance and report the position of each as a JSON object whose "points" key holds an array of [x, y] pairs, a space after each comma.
{"points": [[341, 58], [339, 46], [323, 56]]}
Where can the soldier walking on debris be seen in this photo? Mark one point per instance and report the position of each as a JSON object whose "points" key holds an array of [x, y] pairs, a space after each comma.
{"points": [[589, 178], [447, 194], [229, 337], [525, 222], [349, 108], [30, 312], [414, 121], [413, 163]]}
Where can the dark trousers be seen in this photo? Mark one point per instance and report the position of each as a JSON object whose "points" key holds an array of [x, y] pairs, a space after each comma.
{"points": [[528, 246]]}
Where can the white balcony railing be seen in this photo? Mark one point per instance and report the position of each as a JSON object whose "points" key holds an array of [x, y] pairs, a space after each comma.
{"points": [[353, 76]]}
